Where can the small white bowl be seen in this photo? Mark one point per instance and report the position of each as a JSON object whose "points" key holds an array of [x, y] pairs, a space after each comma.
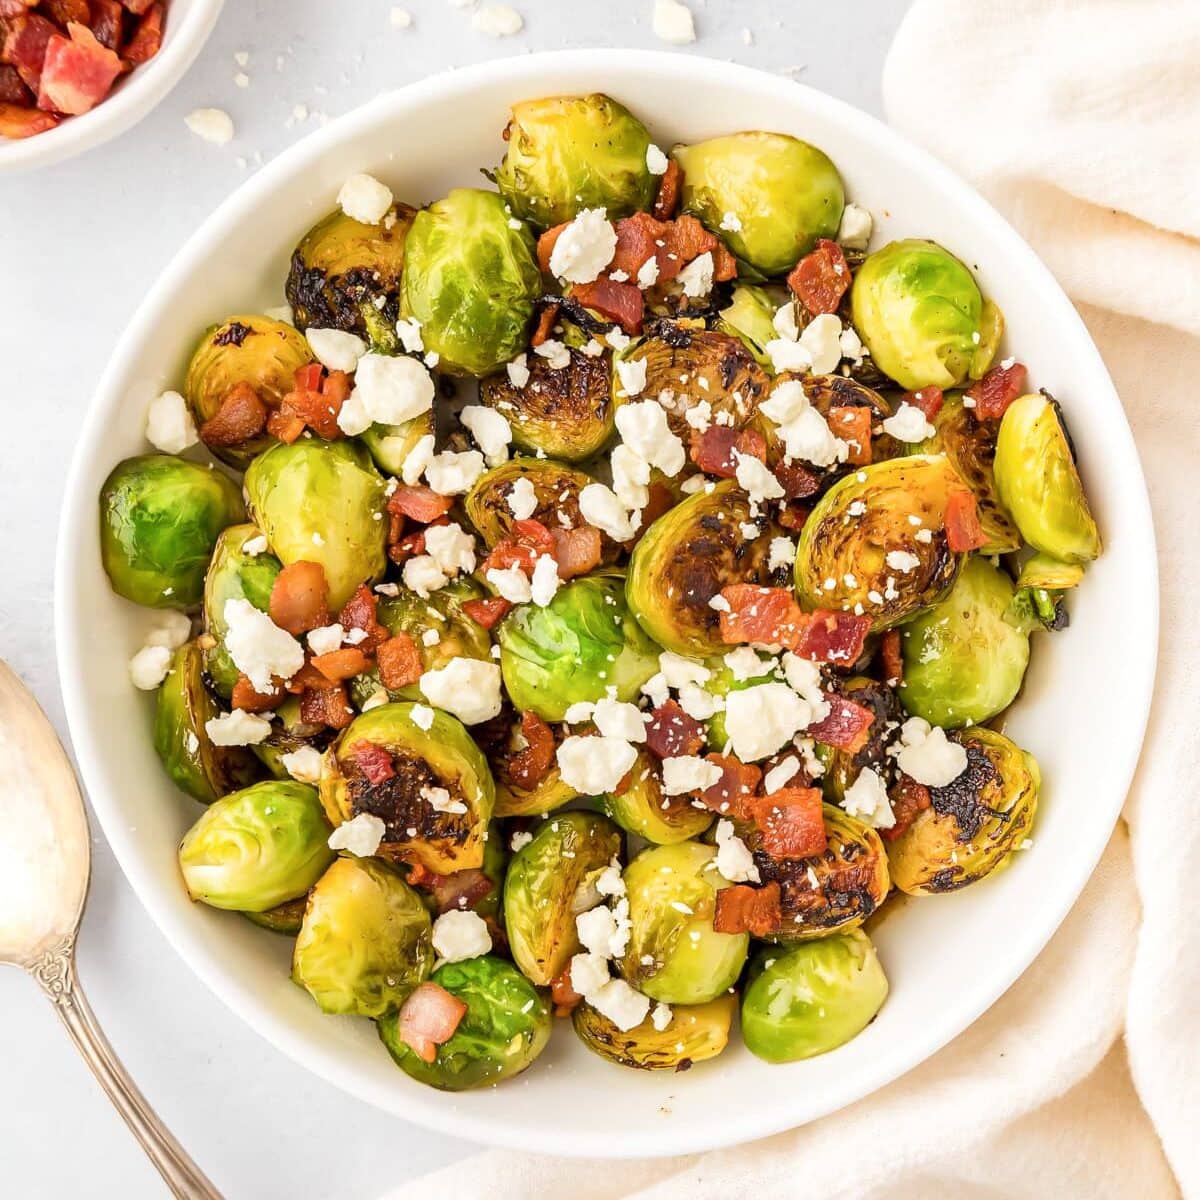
{"points": [[1082, 713], [188, 24]]}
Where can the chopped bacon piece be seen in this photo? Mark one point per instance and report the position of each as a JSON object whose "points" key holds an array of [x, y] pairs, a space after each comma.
{"points": [[76, 74], [62, 12], [724, 264], [300, 598], [373, 760], [528, 767], [685, 239], [326, 706], [137, 7], [637, 241], [285, 426], [420, 503], [12, 88], [399, 662], [563, 993], [526, 542], [713, 451], [16, 8], [890, 657], [316, 409], [248, 699], [620, 302], [407, 547], [428, 1019], [545, 246], [764, 616], [820, 278], [305, 679], [730, 795], [25, 46], [793, 516], [147, 38], [909, 799], [545, 325], [833, 637], [670, 186], [359, 612], [797, 481], [241, 416], [963, 530], [106, 22], [19, 121], [745, 909], [845, 727], [487, 612], [576, 551], [459, 889], [670, 732], [308, 377], [853, 426], [791, 823], [997, 390], [929, 400], [341, 664]]}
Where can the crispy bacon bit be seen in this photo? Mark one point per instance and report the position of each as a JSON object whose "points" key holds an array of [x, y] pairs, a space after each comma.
{"points": [[25, 46], [315, 402], [833, 637], [576, 551], [909, 799], [997, 390], [342, 664], [929, 400], [637, 241], [526, 542], [76, 74], [326, 706], [673, 244], [853, 426], [545, 325], [359, 612], [730, 795], [428, 1018], [241, 416], [685, 239], [106, 21], [64, 11], [820, 278], [845, 728], [12, 88], [724, 264], [399, 662], [797, 481], [147, 38], [307, 378], [19, 121], [137, 7], [563, 993], [420, 503], [764, 616], [487, 612], [306, 679], [666, 201], [373, 761], [459, 889], [410, 545], [713, 451], [890, 657], [791, 822], [745, 909], [671, 732], [620, 302], [792, 516], [285, 426], [963, 530], [300, 598], [248, 700], [528, 767], [545, 246]]}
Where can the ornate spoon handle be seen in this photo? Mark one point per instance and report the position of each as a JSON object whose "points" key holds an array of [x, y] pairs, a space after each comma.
{"points": [[55, 972]]}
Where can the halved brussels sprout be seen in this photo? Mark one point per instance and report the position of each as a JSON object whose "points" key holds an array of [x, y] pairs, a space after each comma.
{"points": [[1042, 571], [390, 445], [642, 808], [194, 764], [442, 757], [974, 823], [751, 317], [550, 881], [366, 940], [568, 153], [471, 280], [841, 557], [695, 1033], [674, 953], [551, 793], [784, 194], [322, 502], [1039, 483], [160, 517], [556, 488], [257, 848], [841, 767], [286, 918], [963, 661], [809, 999], [506, 1026]]}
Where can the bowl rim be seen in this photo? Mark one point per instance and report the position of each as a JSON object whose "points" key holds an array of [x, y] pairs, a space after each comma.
{"points": [[146, 86], [438, 1111]]}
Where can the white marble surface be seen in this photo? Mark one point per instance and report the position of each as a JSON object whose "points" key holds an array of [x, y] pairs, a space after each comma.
{"points": [[78, 245]]}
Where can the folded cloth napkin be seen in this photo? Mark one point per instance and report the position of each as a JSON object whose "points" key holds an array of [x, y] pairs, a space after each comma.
{"points": [[1080, 119]]}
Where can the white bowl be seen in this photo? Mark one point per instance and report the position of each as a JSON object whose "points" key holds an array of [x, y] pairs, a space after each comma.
{"points": [[1082, 713], [188, 24]]}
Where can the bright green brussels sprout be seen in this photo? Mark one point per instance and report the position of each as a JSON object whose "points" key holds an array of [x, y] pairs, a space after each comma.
{"points": [[471, 281], [751, 317], [444, 756], [1039, 483], [574, 649], [390, 445], [973, 823], [991, 330], [812, 998], [784, 193], [184, 705], [286, 918], [919, 312], [841, 767], [318, 501], [556, 488], [550, 881], [366, 941], [1042, 571], [642, 808], [963, 661], [256, 848], [160, 517], [506, 1026], [695, 1033], [867, 516], [674, 953], [568, 153]]}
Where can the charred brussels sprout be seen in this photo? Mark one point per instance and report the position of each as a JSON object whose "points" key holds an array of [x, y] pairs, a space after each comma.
{"points": [[972, 824], [366, 940], [842, 767], [317, 501], [674, 953], [810, 999], [695, 1033], [1039, 483], [471, 281], [390, 445], [550, 881], [642, 808], [160, 517], [568, 153], [556, 488], [256, 848]]}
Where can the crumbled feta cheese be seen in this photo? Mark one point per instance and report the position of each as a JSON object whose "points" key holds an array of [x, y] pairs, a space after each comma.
{"points": [[760, 720], [644, 429], [451, 547], [696, 278], [804, 432], [522, 499], [465, 687], [555, 353], [908, 424], [673, 22], [867, 799], [326, 639], [214, 125], [511, 583], [631, 373], [422, 575], [438, 798], [785, 322], [734, 859], [925, 754], [902, 561], [782, 554], [431, 637], [660, 1018], [422, 717], [520, 840], [617, 338], [610, 881], [851, 345], [600, 933], [360, 835], [631, 477], [616, 719], [854, 232], [170, 629], [786, 355], [755, 479], [656, 688], [820, 338], [237, 728], [461, 934], [595, 765], [258, 647], [647, 275], [678, 670], [804, 678], [376, 699], [579, 712], [303, 765], [544, 581], [149, 667], [584, 248], [491, 431], [698, 703], [656, 161], [589, 973], [497, 20], [255, 546], [518, 371], [718, 603], [408, 330], [600, 507], [418, 459], [699, 416], [392, 389], [731, 222], [687, 773], [620, 1003], [169, 424], [781, 775], [363, 198], [451, 474], [744, 663]]}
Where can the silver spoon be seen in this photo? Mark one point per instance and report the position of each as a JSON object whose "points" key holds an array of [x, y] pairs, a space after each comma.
{"points": [[45, 861]]}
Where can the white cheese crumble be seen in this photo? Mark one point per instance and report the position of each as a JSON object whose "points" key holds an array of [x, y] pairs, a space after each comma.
{"points": [[491, 431], [600, 507], [660, 1018], [602, 933], [744, 663], [497, 20], [451, 547], [867, 799], [902, 561], [631, 373], [418, 458], [169, 424], [390, 389], [258, 647], [360, 835], [237, 728], [461, 934], [673, 22], [616, 719], [804, 678], [555, 353], [760, 720], [782, 553], [734, 859], [255, 546], [656, 161], [731, 222], [511, 584], [696, 278], [785, 322], [466, 688], [545, 581], [213, 125], [422, 575], [678, 670], [647, 275], [908, 424], [149, 667], [821, 338], [451, 474], [621, 1004], [594, 766], [438, 798], [522, 499], [854, 232], [520, 840], [755, 479], [925, 754], [630, 477], [589, 973], [170, 629], [698, 703], [804, 432], [687, 773], [584, 248], [518, 371], [363, 198], [780, 775], [303, 765], [644, 429], [422, 717], [326, 639]]}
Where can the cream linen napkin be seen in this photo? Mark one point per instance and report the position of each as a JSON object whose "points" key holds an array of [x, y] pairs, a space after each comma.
{"points": [[1080, 119]]}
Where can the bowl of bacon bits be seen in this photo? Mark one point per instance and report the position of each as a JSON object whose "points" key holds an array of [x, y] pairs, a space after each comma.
{"points": [[74, 73]]}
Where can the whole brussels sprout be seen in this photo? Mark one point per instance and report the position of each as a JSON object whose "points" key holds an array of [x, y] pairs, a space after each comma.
{"points": [[471, 281], [550, 881], [574, 649], [751, 317], [506, 1026], [784, 193], [390, 445], [556, 488], [366, 940], [1039, 483], [841, 767], [812, 998], [974, 823], [286, 918], [642, 808], [919, 312], [695, 1033], [963, 660], [674, 953], [255, 849], [318, 501], [568, 153]]}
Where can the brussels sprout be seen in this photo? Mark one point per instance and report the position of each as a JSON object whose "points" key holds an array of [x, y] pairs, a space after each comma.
{"points": [[471, 281], [346, 275], [549, 882], [1039, 483], [288, 734], [810, 999], [684, 559], [506, 1026], [256, 848], [973, 823], [390, 445], [919, 311], [674, 953], [286, 918], [841, 767], [568, 153], [319, 501], [1044, 572], [159, 521], [784, 193], [642, 808], [751, 317], [366, 941], [551, 793], [849, 546], [695, 1033], [183, 707], [574, 649], [991, 330], [555, 486], [963, 661]]}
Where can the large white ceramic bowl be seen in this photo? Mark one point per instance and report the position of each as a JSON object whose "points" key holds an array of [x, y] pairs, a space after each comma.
{"points": [[188, 24], [1082, 712]]}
